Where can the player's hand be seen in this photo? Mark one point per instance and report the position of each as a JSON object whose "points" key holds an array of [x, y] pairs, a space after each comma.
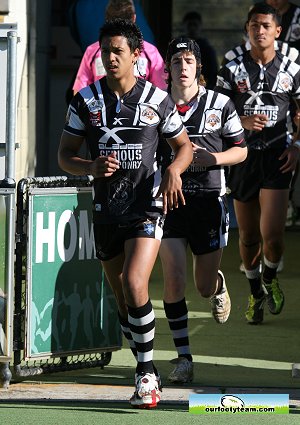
{"points": [[296, 118], [256, 122], [105, 166], [291, 154], [170, 189], [202, 157]]}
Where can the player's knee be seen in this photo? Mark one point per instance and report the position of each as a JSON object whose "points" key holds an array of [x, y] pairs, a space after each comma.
{"points": [[273, 245], [206, 291], [248, 243]]}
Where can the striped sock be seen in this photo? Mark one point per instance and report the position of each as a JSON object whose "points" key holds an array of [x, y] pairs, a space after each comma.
{"points": [[142, 325], [177, 315], [127, 333]]}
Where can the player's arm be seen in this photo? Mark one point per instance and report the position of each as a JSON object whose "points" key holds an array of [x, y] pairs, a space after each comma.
{"points": [[171, 184], [231, 156], [70, 161], [225, 84], [291, 153]]}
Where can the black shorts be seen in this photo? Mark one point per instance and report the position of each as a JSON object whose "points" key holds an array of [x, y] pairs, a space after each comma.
{"points": [[110, 238], [203, 222], [260, 170]]}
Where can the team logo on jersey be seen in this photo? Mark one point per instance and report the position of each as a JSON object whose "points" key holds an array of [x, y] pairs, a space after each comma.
{"points": [[94, 105], [284, 82], [242, 82], [149, 228], [94, 108], [120, 195], [148, 115], [95, 118], [212, 119]]}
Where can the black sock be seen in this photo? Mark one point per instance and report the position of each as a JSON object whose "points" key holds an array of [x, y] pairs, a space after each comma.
{"points": [[269, 274], [256, 288]]}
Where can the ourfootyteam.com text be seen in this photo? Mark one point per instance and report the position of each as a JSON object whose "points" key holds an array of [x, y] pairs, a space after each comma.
{"points": [[240, 409]]}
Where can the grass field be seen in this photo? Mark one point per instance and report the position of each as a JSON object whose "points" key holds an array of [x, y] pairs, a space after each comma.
{"points": [[112, 413], [233, 355]]}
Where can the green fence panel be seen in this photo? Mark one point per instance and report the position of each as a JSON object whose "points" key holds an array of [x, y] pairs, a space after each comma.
{"points": [[70, 307], [3, 289]]}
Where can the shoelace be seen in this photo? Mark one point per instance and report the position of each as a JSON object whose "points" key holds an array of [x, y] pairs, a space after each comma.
{"points": [[218, 301]]}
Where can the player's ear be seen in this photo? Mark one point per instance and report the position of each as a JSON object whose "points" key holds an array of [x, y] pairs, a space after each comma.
{"points": [[278, 31], [136, 55]]}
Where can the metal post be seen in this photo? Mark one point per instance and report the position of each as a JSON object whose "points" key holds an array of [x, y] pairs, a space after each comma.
{"points": [[8, 185], [11, 107]]}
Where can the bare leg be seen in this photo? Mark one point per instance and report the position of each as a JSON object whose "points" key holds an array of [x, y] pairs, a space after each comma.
{"points": [[206, 277], [173, 257], [248, 219], [140, 257], [274, 205], [113, 270]]}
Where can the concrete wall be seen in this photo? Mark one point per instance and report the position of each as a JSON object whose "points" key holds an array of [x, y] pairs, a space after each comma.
{"points": [[17, 13]]}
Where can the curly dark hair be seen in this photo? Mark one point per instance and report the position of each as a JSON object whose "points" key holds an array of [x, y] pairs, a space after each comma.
{"points": [[124, 28]]}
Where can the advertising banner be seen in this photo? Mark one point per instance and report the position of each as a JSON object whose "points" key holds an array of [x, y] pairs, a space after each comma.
{"points": [[70, 307]]}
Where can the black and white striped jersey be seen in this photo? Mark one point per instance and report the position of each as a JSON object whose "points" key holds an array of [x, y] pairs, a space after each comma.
{"points": [[258, 89], [129, 126], [291, 52], [213, 124]]}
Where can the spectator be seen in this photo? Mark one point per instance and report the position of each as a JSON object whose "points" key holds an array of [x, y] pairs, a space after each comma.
{"points": [[192, 23], [150, 64], [85, 17]]}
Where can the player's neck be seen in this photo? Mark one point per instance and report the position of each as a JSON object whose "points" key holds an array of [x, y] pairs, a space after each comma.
{"points": [[262, 56], [121, 86], [182, 96]]}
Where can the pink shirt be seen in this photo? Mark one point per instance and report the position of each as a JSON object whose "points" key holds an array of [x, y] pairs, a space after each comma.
{"points": [[150, 66]]}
